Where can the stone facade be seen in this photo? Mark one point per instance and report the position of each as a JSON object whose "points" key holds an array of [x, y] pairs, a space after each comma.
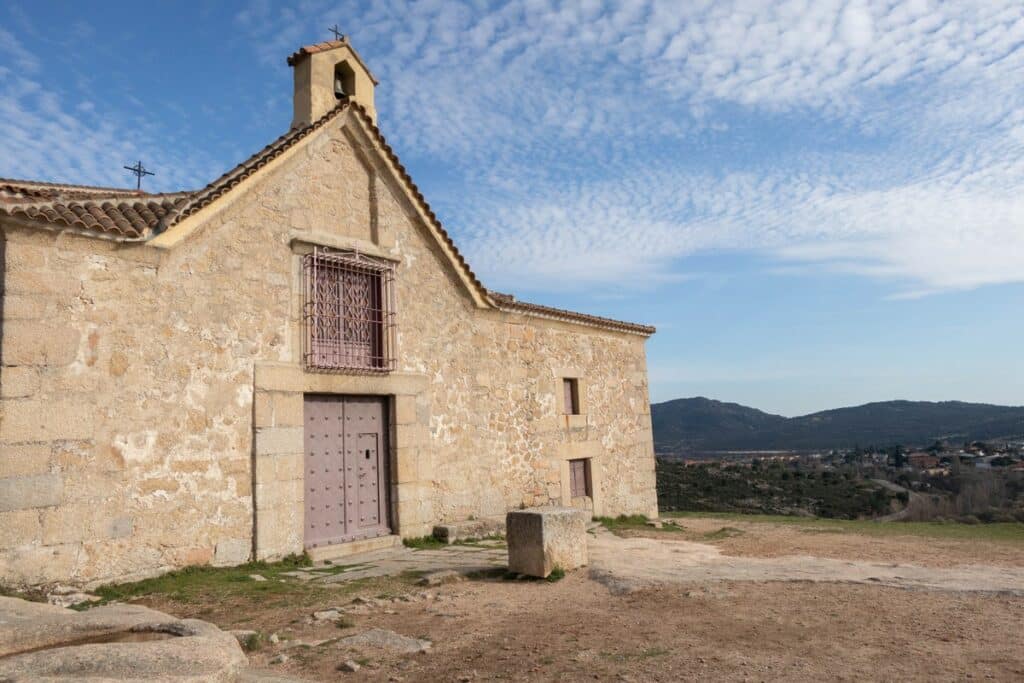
{"points": [[152, 391]]}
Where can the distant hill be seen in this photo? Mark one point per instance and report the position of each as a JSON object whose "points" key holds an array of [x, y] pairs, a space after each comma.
{"points": [[696, 425]]}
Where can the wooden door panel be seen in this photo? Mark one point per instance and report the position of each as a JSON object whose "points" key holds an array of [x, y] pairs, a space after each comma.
{"points": [[345, 481]]}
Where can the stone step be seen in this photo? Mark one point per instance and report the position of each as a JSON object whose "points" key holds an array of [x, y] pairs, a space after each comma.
{"points": [[345, 550], [470, 528]]}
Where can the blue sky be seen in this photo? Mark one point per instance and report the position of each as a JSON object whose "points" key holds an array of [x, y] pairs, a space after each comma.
{"points": [[818, 203]]}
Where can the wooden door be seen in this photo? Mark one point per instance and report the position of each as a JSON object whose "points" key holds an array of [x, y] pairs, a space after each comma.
{"points": [[345, 484], [579, 484]]}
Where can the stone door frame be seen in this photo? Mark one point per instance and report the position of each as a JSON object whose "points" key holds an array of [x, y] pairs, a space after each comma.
{"points": [[278, 447]]}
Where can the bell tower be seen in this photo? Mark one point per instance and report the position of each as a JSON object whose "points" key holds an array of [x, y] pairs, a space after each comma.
{"points": [[326, 72]]}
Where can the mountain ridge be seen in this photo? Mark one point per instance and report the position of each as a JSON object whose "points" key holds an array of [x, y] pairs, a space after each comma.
{"points": [[700, 424]]}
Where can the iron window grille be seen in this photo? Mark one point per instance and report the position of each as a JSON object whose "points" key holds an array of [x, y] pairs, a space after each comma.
{"points": [[348, 312]]}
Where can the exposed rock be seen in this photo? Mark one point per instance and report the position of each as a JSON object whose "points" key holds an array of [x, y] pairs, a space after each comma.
{"points": [[386, 640], [125, 642], [469, 529], [274, 638], [280, 659], [257, 577], [349, 665], [327, 614], [292, 644], [440, 577], [71, 599]]}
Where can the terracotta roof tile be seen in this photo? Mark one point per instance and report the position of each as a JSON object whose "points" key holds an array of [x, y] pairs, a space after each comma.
{"points": [[107, 212]]}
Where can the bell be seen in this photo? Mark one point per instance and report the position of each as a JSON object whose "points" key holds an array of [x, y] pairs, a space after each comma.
{"points": [[339, 88]]}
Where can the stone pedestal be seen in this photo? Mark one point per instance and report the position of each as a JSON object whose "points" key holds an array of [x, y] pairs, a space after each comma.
{"points": [[540, 539]]}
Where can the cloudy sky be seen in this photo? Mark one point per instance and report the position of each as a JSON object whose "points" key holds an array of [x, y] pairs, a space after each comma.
{"points": [[818, 203]]}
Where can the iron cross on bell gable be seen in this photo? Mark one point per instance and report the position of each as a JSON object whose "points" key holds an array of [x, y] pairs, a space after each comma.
{"points": [[338, 35], [139, 170]]}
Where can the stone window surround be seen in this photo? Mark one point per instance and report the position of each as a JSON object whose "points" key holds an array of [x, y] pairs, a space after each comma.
{"points": [[569, 420], [579, 450]]}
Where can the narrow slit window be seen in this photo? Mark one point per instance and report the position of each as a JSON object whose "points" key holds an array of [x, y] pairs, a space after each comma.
{"points": [[571, 388], [348, 312]]}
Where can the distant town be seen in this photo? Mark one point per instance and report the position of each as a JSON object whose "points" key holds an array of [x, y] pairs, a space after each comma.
{"points": [[937, 459], [973, 482]]}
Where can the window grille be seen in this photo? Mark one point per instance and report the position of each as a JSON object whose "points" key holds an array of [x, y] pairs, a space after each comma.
{"points": [[348, 312]]}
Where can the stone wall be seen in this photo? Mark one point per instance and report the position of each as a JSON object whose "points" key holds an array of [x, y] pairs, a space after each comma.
{"points": [[148, 391]]}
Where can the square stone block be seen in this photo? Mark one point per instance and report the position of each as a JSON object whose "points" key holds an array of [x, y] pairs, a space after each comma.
{"points": [[540, 539]]}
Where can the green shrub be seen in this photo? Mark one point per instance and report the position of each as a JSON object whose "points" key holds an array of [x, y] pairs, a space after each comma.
{"points": [[557, 574]]}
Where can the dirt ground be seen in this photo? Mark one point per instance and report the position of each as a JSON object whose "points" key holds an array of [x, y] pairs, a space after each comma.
{"points": [[761, 539], [577, 629]]}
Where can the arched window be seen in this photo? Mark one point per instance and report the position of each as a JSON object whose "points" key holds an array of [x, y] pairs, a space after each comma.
{"points": [[344, 81]]}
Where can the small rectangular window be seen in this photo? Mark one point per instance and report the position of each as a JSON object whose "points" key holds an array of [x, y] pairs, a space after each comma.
{"points": [[579, 478], [572, 396]]}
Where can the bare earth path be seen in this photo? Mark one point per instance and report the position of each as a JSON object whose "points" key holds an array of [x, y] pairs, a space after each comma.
{"points": [[751, 601], [625, 564]]}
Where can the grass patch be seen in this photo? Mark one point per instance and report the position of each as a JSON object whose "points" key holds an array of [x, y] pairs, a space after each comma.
{"points": [[557, 574], [31, 594], [424, 543], [633, 523], [488, 574], [1006, 532], [253, 642], [484, 542], [192, 583]]}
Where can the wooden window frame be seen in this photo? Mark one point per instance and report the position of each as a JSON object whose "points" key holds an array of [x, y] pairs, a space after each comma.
{"points": [[571, 396], [588, 488]]}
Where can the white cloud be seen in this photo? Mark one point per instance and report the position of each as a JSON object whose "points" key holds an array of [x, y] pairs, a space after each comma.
{"points": [[599, 142]]}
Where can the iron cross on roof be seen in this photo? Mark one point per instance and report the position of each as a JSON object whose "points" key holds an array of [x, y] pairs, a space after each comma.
{"points": [[338, 35], [139, 170]]}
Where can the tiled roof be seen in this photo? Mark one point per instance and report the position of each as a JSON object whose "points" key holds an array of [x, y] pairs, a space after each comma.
{"points": [[134, 215], [507, 302], [103, 211], [324, 47]]}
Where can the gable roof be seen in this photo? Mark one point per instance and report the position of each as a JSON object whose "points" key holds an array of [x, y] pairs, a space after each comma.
{"points": [[101, 211], [133, 215], [507, 302]]}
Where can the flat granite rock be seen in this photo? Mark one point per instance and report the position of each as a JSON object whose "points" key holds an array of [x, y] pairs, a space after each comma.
{"points": [[540, 539], [40, 642], [386, 640]]}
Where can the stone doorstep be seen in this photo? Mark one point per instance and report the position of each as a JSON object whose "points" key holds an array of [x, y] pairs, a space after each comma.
{"points": [[470, 528], [347, 550]]}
